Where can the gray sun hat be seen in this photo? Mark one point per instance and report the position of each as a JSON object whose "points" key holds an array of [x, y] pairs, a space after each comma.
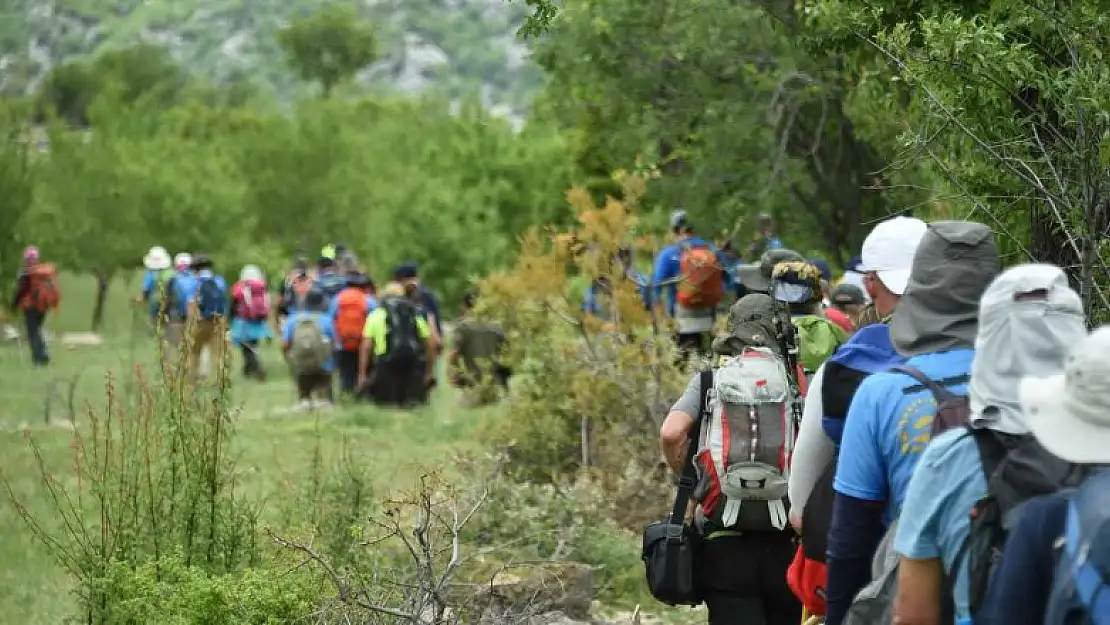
{"points": [[954, 264], [751, 323], [756, 277]]}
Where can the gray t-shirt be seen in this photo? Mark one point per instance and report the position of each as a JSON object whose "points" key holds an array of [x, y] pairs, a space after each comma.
{"points": [[691, 398]]}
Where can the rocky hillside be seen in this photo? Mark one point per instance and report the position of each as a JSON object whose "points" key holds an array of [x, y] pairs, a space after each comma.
{"points": [[457, 46]]}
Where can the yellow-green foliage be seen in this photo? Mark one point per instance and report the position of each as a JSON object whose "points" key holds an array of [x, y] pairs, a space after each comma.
{"points": [[608, 381]]}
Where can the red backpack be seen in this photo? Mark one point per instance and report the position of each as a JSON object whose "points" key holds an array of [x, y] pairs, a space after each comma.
{"points": [[43, 293], [252, 300], [703, 279], [351, 309]]}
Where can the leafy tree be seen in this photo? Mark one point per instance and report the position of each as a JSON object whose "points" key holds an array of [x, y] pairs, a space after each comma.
{"points": [[329, 46], [18, 144]]}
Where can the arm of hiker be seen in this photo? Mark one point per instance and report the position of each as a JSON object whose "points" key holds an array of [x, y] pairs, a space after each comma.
{"points": [[366, 348], [919, 591], [855, 532], [426, 331], [860, 485], [1019, 592], [21, 286], [676, 427], [664, 271], [812, 451], [148, 287], [932, 500]]}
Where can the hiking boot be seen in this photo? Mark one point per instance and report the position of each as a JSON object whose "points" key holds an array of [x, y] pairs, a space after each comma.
{"points": [[305, 405], [323, 404]]}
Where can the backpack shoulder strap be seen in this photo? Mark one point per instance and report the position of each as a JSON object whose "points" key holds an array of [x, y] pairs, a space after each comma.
{"points": [[936, 387], [689, 481], [991, 450]]}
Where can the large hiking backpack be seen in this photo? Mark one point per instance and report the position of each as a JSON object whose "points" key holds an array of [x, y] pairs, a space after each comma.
{"points": [[1080, 589], [252, 302], [211, 298], [703, 279], [746, 443], [403, 346], [309, 348], [43, 292], [1017, 468], [350, 318], [296, 289]]}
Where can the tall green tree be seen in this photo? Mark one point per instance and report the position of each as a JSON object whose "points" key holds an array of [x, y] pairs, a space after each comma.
{"points": [[329, 46]]}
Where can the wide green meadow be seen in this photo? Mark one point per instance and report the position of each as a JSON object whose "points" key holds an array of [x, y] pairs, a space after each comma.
{"points": [[275, 446]]}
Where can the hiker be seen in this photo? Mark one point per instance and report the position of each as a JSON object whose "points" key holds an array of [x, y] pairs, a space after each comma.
{"points": [[688, 283], [208, 309], [406, 274], [868, 351], [308, 343], [797, 289], [891, 416], [854, 276], [1028, 320], [250, 315], [349, 312], [474, 361], [329, 279], [1041, 579], [397, 351], [158, 273], [848, 300], [748, 542], [174, 305], [766, 240], [36, 293], [298, 282]]}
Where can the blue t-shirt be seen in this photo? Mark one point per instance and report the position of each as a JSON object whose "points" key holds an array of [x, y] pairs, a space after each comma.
{"points": [[935, 518], [185, 287], [667, 267], [887, 429], [1019, 592], [323, 321]]}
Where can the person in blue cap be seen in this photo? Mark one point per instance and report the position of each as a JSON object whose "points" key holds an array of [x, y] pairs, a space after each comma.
{"points": [[407, 274]]}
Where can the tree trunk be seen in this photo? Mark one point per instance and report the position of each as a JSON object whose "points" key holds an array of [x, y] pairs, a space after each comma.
{"points": [[103, 281]]}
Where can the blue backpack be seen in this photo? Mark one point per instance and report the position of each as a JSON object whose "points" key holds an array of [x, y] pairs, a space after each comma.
{"points": [[1081, 587], [211, 298]]}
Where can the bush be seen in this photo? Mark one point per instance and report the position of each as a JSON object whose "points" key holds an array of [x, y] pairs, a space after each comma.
{"points": [[589, 393]]}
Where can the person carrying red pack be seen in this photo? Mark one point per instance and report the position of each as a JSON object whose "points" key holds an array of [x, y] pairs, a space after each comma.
{"points": [[250, 313], [36, 294], [349, 310]]}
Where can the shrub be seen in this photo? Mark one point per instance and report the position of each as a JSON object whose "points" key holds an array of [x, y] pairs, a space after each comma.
{"points": [[589, 393]]}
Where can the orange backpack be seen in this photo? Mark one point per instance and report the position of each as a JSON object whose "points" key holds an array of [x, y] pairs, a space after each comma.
{"points": [[351, 308], [703, 279], [43, 293]]}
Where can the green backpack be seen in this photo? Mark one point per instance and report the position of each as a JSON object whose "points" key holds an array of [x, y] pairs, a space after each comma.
{"points": [[818, 338], [309, 349]]}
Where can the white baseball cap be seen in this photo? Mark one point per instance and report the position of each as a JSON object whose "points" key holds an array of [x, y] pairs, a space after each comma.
{"points": [[182, 260], [888, 251], [157, 258], [1069, 412]]}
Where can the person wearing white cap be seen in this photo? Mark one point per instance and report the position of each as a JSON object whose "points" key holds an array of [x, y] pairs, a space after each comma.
{"points": [[158, 272], [1069, 414], [1028, 320]]}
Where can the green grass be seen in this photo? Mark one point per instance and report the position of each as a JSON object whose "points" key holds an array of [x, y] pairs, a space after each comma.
{"points": [[272, 445]]}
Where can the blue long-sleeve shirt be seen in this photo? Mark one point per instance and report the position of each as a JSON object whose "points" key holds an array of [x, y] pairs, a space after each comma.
{"points": [[667, 269]]}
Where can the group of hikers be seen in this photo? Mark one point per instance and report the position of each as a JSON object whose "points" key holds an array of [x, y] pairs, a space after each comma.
{"points": [[938, 465], [382, 344]]}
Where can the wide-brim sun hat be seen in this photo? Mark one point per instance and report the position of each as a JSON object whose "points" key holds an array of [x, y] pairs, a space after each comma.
{"points": [[1069, 412], [757, 276], [157, 259]]}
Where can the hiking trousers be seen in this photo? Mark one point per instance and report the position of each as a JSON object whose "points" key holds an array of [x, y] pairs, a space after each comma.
{"points": [[34, 320], [744, 579], [252, 364], [346, 361], [318, 384], [206, 333], [397, 385]]}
